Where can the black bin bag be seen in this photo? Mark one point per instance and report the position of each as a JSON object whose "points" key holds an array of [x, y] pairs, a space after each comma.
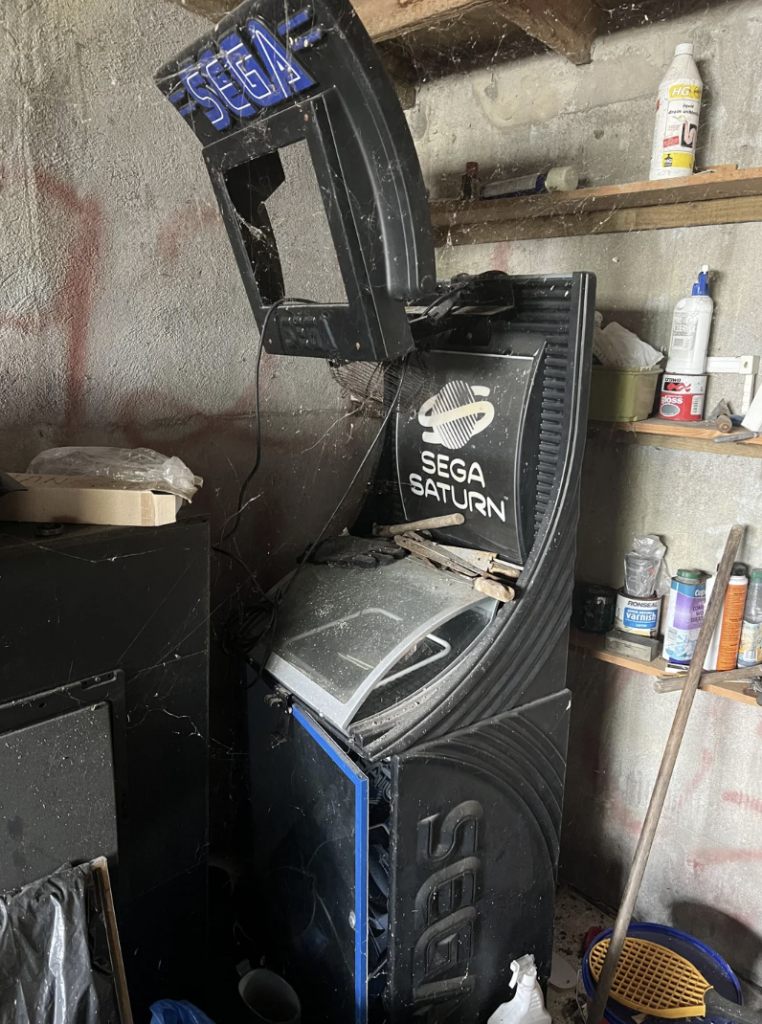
{"points": [[55, 966]]}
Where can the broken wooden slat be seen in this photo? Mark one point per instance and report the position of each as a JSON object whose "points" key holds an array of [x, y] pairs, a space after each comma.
{"points": [[448, 559], [497, 591], [435, 553]]}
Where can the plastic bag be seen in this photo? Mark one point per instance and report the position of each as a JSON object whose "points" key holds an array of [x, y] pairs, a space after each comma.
{"points": [[54, 959], [616, 346], [644, 567], [130, 467], [177, 1011]]}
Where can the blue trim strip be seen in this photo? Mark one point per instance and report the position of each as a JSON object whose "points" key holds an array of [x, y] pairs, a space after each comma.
{"points": [[360, 782], [304, 41], [295, 22]]}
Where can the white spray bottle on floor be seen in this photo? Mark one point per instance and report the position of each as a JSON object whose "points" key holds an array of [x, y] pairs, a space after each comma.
{"points": [[528, 1005]]}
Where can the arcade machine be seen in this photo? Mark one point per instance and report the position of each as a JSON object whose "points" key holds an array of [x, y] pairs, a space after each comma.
{"points": [[408, 732]]}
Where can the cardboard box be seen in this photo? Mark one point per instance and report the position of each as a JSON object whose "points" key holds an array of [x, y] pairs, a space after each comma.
{"points": [[80, 499]]}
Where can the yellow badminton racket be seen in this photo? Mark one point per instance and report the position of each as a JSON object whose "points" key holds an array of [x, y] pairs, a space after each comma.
{"points": [[655, 980]]}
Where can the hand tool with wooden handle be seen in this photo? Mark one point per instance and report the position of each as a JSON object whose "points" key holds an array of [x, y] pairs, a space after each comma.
{"points": [[664, 775], [653, 979]]}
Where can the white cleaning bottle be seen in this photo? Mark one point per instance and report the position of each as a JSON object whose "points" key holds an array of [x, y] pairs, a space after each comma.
{"points": [[528, 1005], [677, 117], [691, 324]]}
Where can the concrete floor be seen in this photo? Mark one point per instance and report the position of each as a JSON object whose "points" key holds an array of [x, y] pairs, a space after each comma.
{"points": [[574, 916]]}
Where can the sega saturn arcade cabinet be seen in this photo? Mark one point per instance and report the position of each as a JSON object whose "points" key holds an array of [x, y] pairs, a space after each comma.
{"points": [[408, 732]]}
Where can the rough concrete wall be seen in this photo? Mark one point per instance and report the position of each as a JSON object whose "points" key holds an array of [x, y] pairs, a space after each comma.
{"points": [[122, 315], [706, 874], [123, 319]]}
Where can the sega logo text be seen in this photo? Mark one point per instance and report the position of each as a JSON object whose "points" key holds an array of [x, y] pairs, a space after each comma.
{"points": [[250, 71]]}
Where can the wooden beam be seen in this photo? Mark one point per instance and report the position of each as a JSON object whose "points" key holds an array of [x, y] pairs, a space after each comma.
{"points": [[387, 19], [567, 26]]}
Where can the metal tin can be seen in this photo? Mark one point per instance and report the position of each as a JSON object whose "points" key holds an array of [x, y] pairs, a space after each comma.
{"points": [[638, 614], [594, 608], [682, 396], [685, 613]]}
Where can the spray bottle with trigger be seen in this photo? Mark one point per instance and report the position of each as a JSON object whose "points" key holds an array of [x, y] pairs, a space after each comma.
{"points": [[528, 1005]]}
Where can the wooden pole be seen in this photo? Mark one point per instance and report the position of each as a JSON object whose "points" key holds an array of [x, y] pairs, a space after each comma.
{"points": [[672, 749]]}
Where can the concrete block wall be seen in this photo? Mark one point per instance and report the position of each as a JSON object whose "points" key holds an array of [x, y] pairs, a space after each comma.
{"points": [[706, 871]]}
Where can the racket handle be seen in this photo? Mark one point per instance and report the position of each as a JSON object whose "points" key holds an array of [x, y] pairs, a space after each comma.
{"points": [[718, 1006]]}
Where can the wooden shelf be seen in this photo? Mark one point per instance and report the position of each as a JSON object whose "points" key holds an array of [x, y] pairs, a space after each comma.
{"points": [[658, 433], [590, 645], [720, 195]]}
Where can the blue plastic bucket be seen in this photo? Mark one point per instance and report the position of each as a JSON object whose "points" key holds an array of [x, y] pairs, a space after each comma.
{"points": [[712, 966]]}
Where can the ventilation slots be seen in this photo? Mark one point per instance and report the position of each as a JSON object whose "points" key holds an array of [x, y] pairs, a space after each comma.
{"points": [[546, 309], [380, 779]]}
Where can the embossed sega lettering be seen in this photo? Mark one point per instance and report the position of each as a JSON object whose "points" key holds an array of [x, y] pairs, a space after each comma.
{"points": [[446, 910], [251, 69]]}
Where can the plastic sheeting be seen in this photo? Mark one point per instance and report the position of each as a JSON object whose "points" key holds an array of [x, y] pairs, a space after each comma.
{"points": [[55, 966], [171, 1011]]}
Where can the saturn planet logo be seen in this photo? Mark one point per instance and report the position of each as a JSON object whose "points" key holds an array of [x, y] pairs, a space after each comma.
{"points": [[454, 415]]}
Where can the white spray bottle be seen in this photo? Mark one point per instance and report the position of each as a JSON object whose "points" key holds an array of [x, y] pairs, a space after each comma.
{"points": [[528, 1005]]}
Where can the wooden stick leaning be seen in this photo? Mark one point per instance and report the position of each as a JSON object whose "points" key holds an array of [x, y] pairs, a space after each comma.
{"points": [[99, 869], [437, 523], [655, 807]]}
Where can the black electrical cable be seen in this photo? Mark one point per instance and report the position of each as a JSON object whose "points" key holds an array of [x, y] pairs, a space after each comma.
{"points": [[256, 622], [258, 421]]}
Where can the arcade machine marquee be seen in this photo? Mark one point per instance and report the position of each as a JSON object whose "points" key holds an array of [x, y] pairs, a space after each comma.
{"points": [[407, 733]]}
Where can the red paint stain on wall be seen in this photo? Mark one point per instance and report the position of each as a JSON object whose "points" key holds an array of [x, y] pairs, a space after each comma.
{"points": [[743, 800], [707, 758], [711, 857], [183, 224], [623, 816], [71, 304]]}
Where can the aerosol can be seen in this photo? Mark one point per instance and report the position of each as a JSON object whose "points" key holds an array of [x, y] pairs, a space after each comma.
{"points": [[528, 1005], [677, 117]]}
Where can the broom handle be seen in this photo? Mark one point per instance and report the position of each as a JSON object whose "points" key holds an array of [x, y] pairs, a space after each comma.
{"points": [[718, 1006], [655, 807]]}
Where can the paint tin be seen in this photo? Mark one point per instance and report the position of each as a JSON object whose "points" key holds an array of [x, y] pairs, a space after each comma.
{"points": [[682, 397], [685, 613], [638, 614], [594, 608]]}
